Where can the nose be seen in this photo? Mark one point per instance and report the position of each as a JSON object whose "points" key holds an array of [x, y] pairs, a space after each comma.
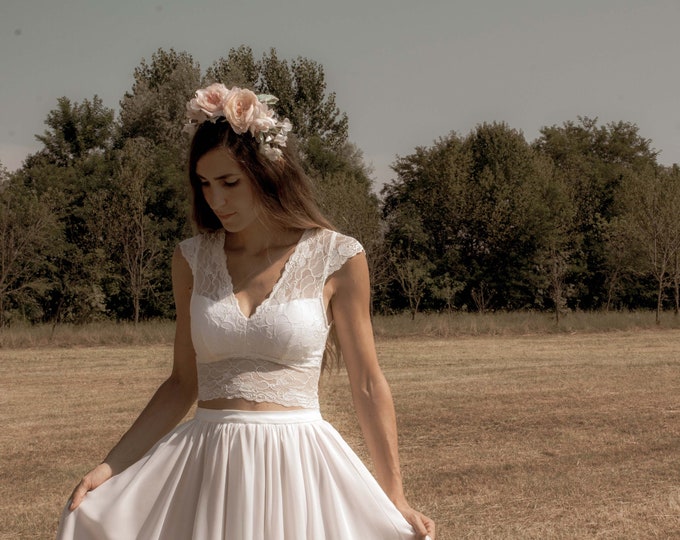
{"points": [[215, 196]]}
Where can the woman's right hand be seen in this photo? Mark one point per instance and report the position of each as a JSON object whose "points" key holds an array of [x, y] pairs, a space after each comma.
{"points": [[92, 480]]}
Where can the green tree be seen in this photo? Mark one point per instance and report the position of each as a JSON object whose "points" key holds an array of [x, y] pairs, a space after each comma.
{"points": [[131, 231], [28, 230], [155, 108], [674, 179], [558, 240], [652, 206], [491, 216], [620, 261], [76, 130], [239, 68], [445, 288], [301, 88], [76, 262], [410, 264], [423, 211], [594, 160], [506, 217], [675, 277], [75, 162]]}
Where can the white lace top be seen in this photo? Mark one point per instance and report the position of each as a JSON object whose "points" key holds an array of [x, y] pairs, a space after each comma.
{"points": [[275, 354]]}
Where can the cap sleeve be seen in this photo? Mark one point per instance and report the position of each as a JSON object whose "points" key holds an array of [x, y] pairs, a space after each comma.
{"points": [[342, 249], [189, 250]]}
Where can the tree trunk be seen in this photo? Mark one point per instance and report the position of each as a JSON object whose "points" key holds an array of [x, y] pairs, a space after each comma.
{"points": [[557, 297], [414, 307], [136, 304], [57, 316], [676, 283], [610, 290], [659, 301]]}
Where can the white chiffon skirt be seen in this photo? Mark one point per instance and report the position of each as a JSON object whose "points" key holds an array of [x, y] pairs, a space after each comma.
{"points": [[241, 475]]}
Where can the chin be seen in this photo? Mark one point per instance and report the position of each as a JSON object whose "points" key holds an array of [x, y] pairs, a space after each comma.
{"points": [[238, 222], [234, 226], [231, 228]]}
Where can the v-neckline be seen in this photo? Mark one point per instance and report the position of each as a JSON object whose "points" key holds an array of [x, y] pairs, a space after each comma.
{"points": [[282, 276]]}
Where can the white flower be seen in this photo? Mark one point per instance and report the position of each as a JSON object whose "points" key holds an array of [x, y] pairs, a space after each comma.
{"points": [[272, 153]]}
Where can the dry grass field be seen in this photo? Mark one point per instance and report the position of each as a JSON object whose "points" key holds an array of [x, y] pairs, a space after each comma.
{"points": [[541, 436]]}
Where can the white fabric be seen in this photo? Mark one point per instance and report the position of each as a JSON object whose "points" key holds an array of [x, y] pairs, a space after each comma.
{"points": [[241, 475], [236, 475], [275, 354]]}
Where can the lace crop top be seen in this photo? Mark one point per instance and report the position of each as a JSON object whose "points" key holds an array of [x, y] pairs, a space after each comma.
{"points": [[275, 354]]}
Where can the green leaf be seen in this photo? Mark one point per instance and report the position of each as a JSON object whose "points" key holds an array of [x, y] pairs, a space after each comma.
{"points": [[267, 99]]}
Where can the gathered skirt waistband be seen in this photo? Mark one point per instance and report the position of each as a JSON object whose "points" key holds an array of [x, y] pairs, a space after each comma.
{"points": [[233, 416]]}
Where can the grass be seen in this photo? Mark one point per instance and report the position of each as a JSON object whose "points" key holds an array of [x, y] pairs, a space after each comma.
{"points": [[444, 325], [550, 436], [105, 333], [518, 323]]}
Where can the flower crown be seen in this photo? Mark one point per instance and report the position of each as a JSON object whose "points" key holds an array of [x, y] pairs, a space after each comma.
{"points": [[245, 111]]}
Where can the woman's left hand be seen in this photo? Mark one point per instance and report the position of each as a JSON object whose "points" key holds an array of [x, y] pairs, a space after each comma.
{"points": [[422, 524]]}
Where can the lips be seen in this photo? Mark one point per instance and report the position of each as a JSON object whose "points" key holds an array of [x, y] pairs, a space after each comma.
{"points": [[225, 216]]}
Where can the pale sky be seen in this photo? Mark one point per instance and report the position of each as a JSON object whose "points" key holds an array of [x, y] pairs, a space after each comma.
{"points": [[406, 72]]}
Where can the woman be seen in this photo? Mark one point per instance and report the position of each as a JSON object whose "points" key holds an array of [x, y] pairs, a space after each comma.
{"points": [[256, 294]]}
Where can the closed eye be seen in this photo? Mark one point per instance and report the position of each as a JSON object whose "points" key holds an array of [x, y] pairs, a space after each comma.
{"points": [[231, 183], [227, 181]]}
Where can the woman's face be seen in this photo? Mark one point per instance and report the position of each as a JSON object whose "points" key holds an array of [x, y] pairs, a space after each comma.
{"points": [[227, 189]]}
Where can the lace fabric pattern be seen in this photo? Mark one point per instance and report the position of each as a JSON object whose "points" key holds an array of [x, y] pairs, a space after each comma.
{"points": [[275, 354], [257, 379]]}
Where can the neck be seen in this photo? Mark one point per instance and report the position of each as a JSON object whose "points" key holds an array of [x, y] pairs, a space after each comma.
{"points": [[260, 237]]}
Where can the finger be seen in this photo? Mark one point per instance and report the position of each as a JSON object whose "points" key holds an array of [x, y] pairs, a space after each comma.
{"points": [[429, 524], [417, 524], [78, 496]]}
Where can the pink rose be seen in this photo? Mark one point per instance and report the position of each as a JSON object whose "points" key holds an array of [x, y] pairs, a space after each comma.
{"points": [[244, 112], [210, 100], [241, 108]]}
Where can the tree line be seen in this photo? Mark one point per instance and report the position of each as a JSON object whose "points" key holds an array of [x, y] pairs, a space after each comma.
{"points": [[582, 218]]}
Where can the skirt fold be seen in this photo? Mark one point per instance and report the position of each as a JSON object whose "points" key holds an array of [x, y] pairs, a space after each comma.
{"points": [[241, 475]]}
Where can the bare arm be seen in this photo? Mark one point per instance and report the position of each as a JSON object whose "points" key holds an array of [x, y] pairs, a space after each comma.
{"points": [[169, 404], [350, 296]]}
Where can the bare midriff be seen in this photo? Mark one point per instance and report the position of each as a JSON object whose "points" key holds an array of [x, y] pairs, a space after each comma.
{"points": [[240, 404]]}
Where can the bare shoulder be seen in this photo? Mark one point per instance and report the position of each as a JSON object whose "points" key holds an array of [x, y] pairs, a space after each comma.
{"points": [[349, 290], [179, 260], [354, 269], [346, 260]]}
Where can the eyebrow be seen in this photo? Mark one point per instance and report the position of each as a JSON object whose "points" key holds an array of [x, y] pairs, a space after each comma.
{"points": [[220, 177]]}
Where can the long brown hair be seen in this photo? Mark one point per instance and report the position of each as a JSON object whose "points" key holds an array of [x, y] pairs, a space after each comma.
{"points": [[281, 186]]}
